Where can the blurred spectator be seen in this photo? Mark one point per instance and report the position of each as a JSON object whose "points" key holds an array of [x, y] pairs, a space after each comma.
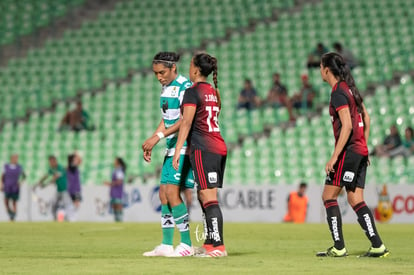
{"points": [[297, 205], [350, 59], [76, 120], [10, 181], [391, 142], [61, 205], [248, 96], [278, 96], [117, 188], [73, 179], [406, 149], [314, 58], [304, 98]]}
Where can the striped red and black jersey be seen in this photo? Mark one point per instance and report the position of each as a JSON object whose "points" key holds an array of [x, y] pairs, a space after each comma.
{"points": [[205, 132], [342, 97]]}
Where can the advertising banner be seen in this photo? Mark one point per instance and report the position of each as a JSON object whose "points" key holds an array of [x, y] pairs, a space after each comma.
{"points": [[239, 203]]}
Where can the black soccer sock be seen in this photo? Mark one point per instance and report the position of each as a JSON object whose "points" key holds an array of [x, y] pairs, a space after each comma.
{"points": [[366, 220], [334, 218], [206, 229], [214, 219]]}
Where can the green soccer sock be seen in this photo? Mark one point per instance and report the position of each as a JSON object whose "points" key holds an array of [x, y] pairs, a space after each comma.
{"points": [[167, 225], [180, 215], [118, 215]]}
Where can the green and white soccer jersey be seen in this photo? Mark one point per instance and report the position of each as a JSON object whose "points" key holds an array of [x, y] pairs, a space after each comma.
{"points": [[170, 102]]}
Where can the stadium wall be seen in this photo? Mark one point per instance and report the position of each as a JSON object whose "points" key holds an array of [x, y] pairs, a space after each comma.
{"points": [[240, 203]]}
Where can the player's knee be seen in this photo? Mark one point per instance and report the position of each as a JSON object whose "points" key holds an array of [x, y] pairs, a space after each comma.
{"points": [[327, 197]]}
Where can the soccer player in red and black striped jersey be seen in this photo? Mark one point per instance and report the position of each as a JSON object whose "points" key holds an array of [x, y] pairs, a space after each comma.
{"points": [[348, 164], [201, 107]]}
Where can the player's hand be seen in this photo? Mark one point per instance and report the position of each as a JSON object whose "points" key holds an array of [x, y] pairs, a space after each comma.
{"points": [[176, 159], [368, 161], [329, 167], [147, 156], [150, 143], [107, 183]]}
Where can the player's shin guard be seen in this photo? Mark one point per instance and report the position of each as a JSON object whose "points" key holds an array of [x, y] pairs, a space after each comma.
{"points": [[167, 225], [214, 220], [180, 215], [366, 220], [207, 240], [334, 218]]}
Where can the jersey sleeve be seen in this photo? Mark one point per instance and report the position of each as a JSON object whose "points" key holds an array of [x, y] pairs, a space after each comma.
{"points": [[339, 100], [190, 97], [119, 175], [183, 89]]}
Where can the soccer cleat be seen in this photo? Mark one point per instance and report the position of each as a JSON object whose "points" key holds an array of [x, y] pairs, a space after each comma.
{"points": [[380, 252], [333, 252], [182, 250], [218, 251], [163, 250], [201, 251]]}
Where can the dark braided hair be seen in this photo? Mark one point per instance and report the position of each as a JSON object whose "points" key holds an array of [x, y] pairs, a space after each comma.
{"points": [[208, 64], [168, 59], [340, 70]]}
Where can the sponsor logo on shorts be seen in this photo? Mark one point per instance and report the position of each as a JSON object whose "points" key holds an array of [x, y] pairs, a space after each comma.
{"points": [[177, 176], [348, 176], [212, 177]]}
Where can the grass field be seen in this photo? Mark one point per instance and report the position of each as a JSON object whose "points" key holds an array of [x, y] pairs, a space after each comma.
{"points": [[108, 248]]}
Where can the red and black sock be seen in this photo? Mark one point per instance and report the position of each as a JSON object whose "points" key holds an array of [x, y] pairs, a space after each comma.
{"points": [[214, 220], [334, 218], [206, 229], [366, 220]]}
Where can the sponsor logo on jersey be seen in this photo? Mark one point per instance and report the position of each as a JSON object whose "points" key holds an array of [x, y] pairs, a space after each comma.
{"points": [[174, 91], [348, 176], [212, 177]]}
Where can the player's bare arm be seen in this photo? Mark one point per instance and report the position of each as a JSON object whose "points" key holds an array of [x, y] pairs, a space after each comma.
{"points": [[186, 121], [150, 142], [345, 117]]}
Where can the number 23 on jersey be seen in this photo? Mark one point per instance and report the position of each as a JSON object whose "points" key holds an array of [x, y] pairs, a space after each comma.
{"points": [[212, 120]]}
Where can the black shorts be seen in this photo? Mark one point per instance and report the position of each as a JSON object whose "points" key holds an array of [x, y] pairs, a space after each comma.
{"points": [[76, 197], [350, 171], [208, 169]]}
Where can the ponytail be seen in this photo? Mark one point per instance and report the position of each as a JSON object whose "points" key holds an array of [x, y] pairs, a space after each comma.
{"points": [[349, 79], [339, 69], [215, 74], [207, 65]]}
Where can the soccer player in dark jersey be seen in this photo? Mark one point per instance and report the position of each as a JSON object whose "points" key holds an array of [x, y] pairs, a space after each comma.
{"points": [[10, 181], [348, 164], [208, 151]]}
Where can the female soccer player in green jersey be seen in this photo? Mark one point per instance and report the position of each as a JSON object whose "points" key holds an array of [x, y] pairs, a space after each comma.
{"points": [[173, 210]]}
